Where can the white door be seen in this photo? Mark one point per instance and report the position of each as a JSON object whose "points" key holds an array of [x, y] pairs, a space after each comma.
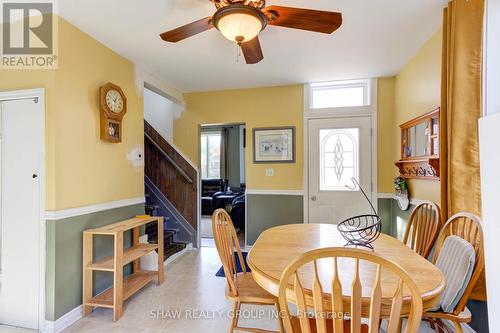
{"points": [[21, 157], [339, 149]]}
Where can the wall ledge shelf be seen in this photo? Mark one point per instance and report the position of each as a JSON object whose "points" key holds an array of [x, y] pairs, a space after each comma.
{"points": [[419, 168]]}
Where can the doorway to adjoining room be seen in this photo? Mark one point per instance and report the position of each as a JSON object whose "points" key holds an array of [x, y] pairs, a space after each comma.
{"points": [[223, 184]]}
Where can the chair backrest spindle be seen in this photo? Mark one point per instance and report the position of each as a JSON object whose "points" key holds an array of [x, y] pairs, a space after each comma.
{"points": [[226, 242], [292, 289], [468, 227], [423, 228]]}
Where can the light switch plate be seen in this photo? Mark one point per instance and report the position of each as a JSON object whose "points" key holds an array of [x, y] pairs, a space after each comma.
{"points": [[269, 172]]}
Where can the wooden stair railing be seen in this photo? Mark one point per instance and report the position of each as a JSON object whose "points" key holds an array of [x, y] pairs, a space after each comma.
{"points": [[168, 158], [171, 174]]}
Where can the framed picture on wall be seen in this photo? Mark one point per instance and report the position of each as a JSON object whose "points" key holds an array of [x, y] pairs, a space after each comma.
{"points": [[274, 145]]}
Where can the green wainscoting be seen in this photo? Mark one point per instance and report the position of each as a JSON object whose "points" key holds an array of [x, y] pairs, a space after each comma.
{"points": [[64, 257], [394, 219], [272, 210]]}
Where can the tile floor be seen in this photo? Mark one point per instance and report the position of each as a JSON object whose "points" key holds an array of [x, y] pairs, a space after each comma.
{"points": [[190, 287]]}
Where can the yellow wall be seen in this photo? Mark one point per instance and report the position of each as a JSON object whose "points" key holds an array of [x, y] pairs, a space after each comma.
{"points": [[386, 135], [274, 106], [417, 91], [82, 169], [261, 107]]}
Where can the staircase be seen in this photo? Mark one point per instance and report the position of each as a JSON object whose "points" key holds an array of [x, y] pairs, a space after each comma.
{"points": [[171, 187], [171, 243]]}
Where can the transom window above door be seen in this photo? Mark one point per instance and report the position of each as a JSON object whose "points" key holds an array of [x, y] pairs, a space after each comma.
{"points": [[339, 94], [339, 159]]}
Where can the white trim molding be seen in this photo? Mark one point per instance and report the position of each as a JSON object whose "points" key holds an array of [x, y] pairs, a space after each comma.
{"points": [[413, 201], [78, 211], [65, 321], [371, 110], [275, 192]]}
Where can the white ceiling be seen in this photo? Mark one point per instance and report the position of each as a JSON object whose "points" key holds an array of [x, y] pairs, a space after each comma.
{"points": [[377, 38]]}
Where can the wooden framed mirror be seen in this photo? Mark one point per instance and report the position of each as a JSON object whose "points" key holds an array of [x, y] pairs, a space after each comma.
{"points": [[420, 147]]}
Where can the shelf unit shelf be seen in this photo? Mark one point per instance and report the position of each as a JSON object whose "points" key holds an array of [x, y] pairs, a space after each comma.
{"points": [[122, 288], [135, 252], [131, 285]]}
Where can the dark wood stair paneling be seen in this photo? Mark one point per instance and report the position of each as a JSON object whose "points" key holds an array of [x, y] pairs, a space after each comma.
{"points": [[167, 178]]}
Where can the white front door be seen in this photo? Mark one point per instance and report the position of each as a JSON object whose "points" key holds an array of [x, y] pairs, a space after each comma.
{"points": [[21, 157], [339, 149]]}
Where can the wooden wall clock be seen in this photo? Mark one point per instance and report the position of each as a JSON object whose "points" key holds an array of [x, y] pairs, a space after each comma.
{"points": [[113, 106]]}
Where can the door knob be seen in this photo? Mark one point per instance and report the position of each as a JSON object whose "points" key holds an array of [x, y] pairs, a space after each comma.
{"points": [[314, 198], [35, 176]]}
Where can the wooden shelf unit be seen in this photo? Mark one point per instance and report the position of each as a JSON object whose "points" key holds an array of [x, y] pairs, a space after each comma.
{"points": [[122, 289]]}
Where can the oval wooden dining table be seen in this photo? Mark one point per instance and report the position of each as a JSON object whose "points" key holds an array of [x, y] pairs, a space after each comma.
{"points": [[277, 247]]}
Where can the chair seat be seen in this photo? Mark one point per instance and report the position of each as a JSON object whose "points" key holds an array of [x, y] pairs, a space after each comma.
{"points": [[249, 291], [464, 317], [329, 326]]}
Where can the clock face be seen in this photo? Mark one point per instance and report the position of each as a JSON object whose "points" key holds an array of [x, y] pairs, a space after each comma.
{"points": [[114, 101]]}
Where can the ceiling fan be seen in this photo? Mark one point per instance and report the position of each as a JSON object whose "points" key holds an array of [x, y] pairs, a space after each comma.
{"points": [[241, 21]]}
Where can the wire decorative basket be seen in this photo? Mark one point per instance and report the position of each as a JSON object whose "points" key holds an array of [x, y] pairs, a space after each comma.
{"points": [[361, 230]]}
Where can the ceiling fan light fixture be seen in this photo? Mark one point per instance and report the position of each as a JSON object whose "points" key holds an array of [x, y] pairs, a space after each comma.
{"points": [[239, 23]]}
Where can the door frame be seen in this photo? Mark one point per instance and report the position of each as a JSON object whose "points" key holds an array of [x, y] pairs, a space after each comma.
{"points": [[200, 127], [341, 112], [39, 94]]}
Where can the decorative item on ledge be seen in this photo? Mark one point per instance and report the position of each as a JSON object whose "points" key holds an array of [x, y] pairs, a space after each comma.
{"points": [[402, 194], [420, 147]]}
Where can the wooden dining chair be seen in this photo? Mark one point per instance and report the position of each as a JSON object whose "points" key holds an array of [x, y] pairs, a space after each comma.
{"points": [[423, 228], [241, 287], [293, 290], [468, 227]]}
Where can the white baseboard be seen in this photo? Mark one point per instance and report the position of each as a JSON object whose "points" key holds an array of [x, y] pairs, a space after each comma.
{"points": [[65, 321]]}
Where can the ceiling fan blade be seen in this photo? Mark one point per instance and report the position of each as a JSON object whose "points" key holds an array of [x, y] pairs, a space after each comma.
{"points": [[304, 19], [187, 30], [252, 51]]}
